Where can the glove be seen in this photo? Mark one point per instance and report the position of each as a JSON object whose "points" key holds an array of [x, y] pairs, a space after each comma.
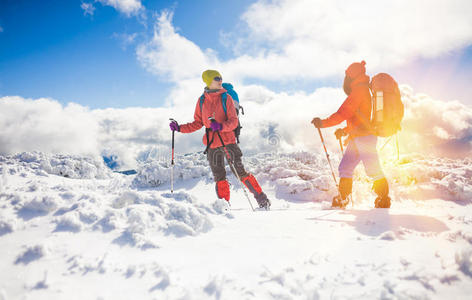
{"points": [[215, 126], [317, 122], [174, 126], [339, 133]]}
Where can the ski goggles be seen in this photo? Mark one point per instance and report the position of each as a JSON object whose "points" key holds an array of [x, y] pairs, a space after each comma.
{"points": [[217, 78]]}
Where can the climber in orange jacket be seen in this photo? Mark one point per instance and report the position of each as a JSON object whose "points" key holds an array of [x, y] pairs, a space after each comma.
{"points": [[362, 141]]}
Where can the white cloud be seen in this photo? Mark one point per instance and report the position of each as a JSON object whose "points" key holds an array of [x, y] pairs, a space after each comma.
{"points": [[430, 126], [127, 7], [88, 8], [320, 38], [46, 125], [306, 39], [132, 133], [125, 39], [436, 127], [171, 55]]}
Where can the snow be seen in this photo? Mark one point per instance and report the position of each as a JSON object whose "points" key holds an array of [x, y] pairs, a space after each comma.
{"points": [[156, 173], [31, 254], [464, 260], [67, 166], [70, 228]]}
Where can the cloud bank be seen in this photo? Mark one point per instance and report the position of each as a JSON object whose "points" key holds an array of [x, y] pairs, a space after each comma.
{"points": [[436, 127], [46, 125], [273, 122]]}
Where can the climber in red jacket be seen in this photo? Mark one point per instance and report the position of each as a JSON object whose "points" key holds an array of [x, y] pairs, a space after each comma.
{"points": [[210, 105]]}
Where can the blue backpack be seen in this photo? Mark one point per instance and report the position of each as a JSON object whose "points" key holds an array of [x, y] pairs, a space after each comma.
{"points": [[224, 97]]}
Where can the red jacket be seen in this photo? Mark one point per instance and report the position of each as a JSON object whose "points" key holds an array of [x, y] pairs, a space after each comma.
{"points": [[213, 107], [356, 109]]}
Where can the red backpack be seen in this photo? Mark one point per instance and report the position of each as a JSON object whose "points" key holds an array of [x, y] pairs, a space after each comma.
{"points": [[388, 110]]}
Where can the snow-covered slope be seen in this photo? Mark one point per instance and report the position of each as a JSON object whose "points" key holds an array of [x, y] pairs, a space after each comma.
{"points": [[72, 229]]}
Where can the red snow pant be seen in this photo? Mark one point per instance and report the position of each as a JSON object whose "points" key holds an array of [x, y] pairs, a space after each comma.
{"points": [[216, 157]]}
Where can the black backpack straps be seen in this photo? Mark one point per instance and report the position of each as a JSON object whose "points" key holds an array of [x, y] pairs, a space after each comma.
{"points": [[207, 134], [224, 97]]}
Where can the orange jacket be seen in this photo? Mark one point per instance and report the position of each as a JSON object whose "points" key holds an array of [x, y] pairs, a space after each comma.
{"points": [[356, 109], [213, 107]]}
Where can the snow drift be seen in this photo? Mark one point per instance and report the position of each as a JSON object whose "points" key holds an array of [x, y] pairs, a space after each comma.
{"points": [[84, 224]]}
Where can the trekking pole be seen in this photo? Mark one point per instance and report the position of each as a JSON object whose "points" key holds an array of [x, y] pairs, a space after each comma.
{"points": [[230, 162], [327, 156], [341, 145], [172, 162]]}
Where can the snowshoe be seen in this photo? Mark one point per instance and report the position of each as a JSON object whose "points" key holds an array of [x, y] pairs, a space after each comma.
{"points": [[382, 202], [338, 202]]}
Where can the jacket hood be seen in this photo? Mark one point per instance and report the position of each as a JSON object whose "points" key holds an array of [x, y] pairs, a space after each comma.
{"points": [[349, 84], [360, 81]]}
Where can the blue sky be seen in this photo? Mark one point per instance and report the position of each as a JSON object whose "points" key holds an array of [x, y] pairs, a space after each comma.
{"points": [[53, 49], [66, 55]]}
